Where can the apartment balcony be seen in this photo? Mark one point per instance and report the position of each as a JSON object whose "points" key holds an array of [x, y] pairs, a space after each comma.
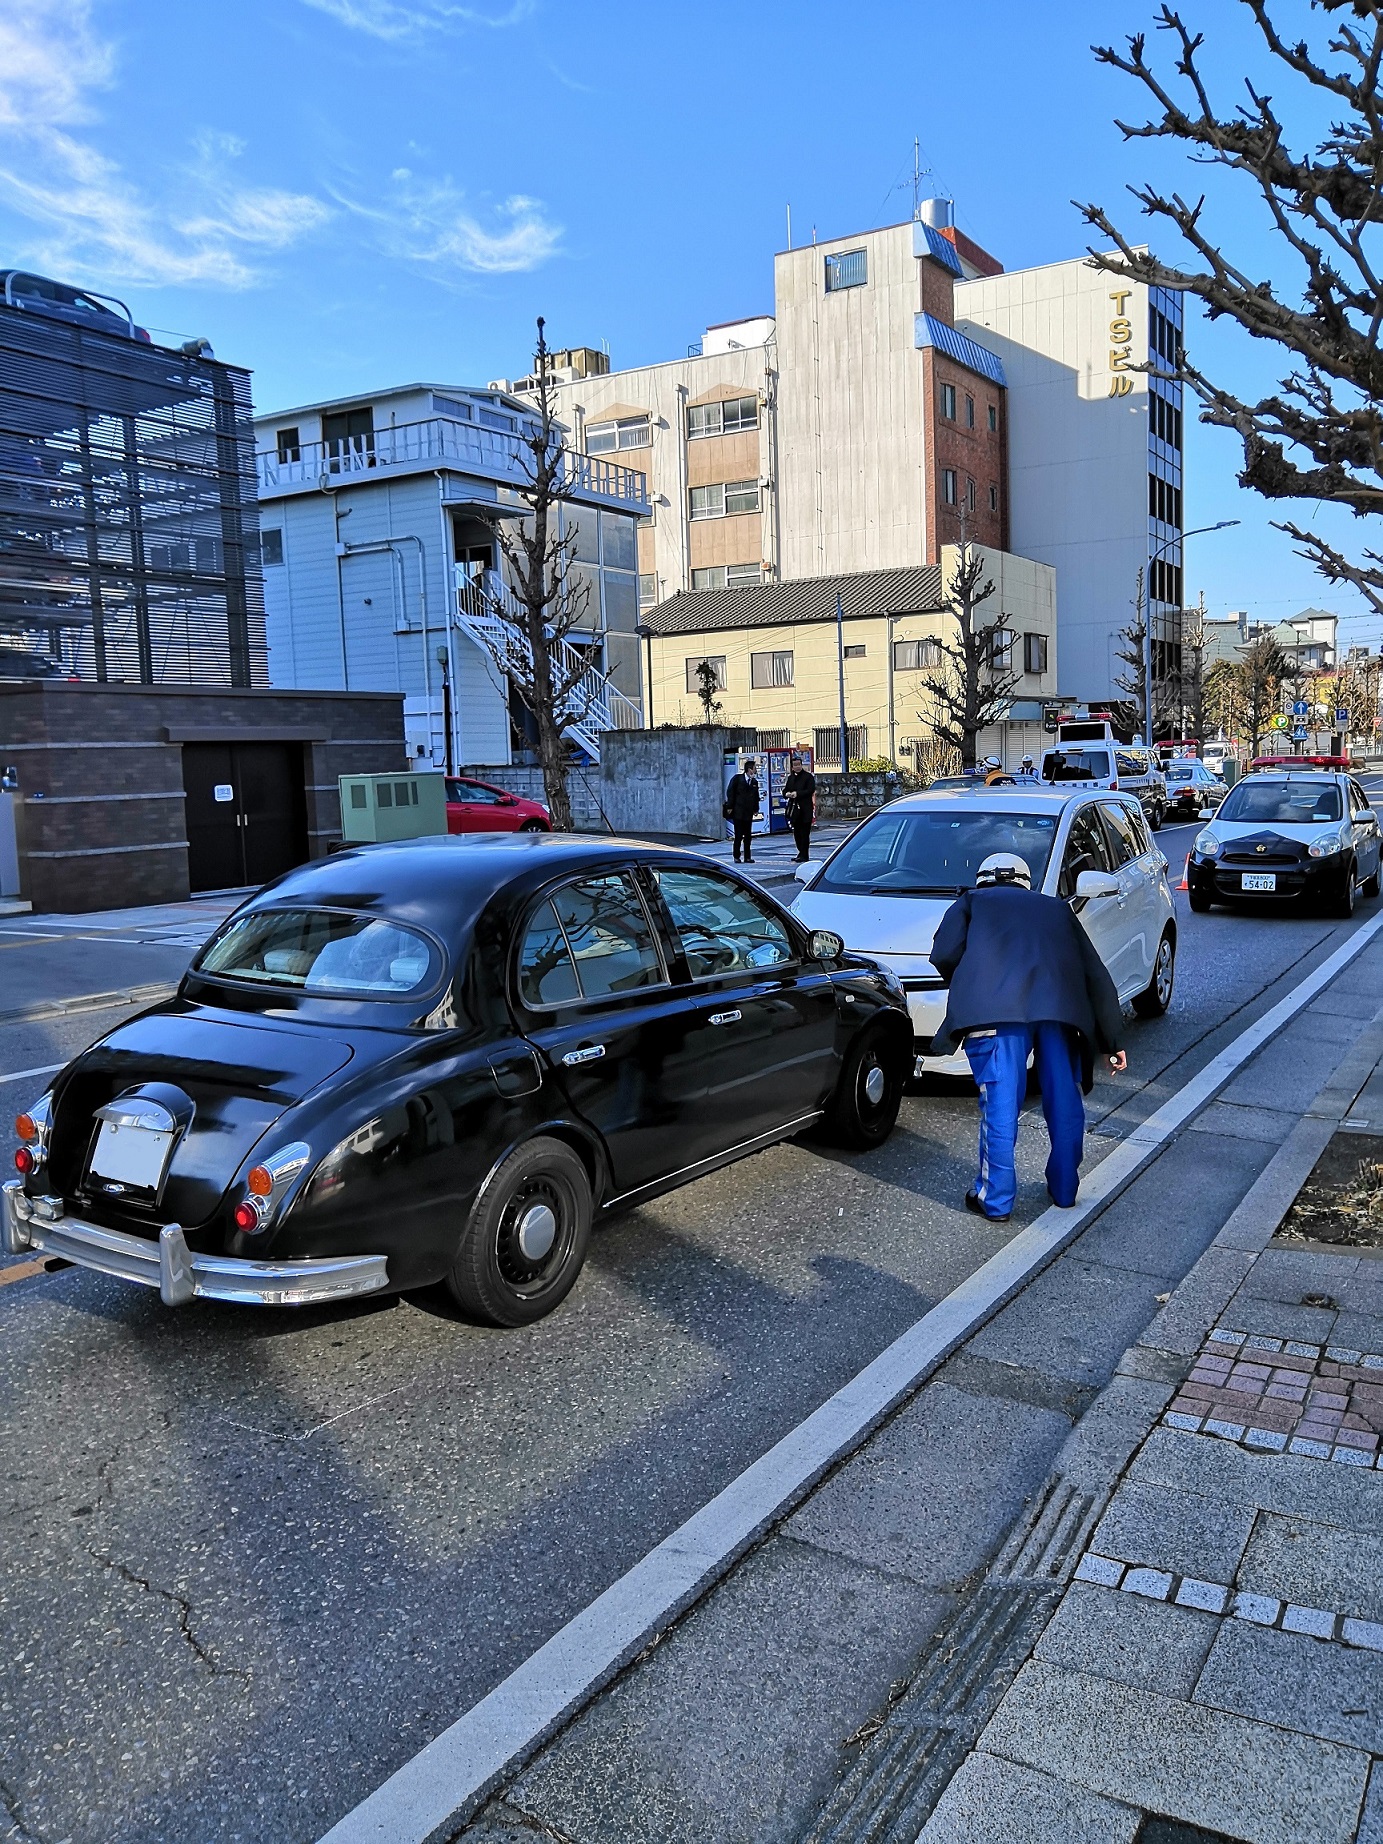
{"points": [[441, 443]]}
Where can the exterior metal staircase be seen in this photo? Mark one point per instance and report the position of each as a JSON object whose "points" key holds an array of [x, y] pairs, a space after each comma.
{"points": [[489, 613]]}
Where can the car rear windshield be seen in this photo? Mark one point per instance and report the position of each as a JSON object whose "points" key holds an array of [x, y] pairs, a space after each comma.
{"points": [[934, 854], [1077, 765], [329, 952], [1284, 803]]}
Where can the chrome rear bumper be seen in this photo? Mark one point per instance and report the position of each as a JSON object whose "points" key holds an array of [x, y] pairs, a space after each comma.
{"points": [[168, 1264]]}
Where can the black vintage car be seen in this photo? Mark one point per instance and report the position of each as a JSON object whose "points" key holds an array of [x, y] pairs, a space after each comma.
{"points": [[436, 1061]]}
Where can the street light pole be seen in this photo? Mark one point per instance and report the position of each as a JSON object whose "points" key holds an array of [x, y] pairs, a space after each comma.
{"points": [[1166, 543]]}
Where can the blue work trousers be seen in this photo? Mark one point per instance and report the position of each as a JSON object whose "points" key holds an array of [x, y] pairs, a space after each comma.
{"points": [[999, 1065]]}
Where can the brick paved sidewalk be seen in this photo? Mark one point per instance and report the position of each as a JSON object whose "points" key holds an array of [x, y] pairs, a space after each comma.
{"points": [[1214, 1669]]}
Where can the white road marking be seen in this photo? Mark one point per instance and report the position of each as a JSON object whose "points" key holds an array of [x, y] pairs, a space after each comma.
{"points": [[448, 1779], [22, 1075]]}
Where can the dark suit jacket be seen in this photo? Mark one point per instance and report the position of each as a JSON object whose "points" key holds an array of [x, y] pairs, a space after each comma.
{"points": [[742, 798], [1014, 957]]}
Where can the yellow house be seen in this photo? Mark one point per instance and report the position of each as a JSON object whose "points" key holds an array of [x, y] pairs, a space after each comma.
{"points": [[778, 667]]}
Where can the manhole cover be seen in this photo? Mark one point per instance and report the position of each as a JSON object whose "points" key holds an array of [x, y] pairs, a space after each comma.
{"points": [[1174, 1831]]}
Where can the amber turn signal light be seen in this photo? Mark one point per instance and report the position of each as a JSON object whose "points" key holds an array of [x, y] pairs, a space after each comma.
{"points": [[26, 1126], [260, 1181], [24, 1161], [246, 1217]]}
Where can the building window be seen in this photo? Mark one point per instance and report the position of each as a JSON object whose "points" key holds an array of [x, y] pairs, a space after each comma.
{"points": [[948, 485], [289, 447], [1164, 501], [728, 576], [969, 411], [732, 417], [770, 670], [712, 577], [627, 432], [1165, 418], [969, 494], [916, 655], [1034, 652], [648, 590], [993, 497], [724, 499], [948, 402], [848, 270], [773, 739], [998, 649], [856, 652], [826, 745], [1164, 582], [993, 419], [715, 661], [271, 545], [452, 407]]}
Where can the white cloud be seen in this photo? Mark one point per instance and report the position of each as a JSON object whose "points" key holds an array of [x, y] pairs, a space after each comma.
{"points": [[88, 222], [429, 223], [397, 19]]}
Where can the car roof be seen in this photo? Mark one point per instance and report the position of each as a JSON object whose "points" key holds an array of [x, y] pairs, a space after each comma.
{"points": [[1298, 774], [999, 799], [443, 883]]}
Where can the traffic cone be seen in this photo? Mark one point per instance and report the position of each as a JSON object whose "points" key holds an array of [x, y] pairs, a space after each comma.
{"points": [[1183, 885]]}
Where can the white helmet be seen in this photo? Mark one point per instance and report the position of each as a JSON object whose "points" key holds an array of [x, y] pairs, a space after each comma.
{"points": [[1026, 762], [992, 762], [1004, 868]]}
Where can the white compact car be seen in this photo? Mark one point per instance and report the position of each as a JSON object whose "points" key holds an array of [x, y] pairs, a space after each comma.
{"points": [[886, 887]]}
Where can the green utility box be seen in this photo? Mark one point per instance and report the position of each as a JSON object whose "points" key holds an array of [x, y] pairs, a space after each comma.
{"points": [[378, 808]]}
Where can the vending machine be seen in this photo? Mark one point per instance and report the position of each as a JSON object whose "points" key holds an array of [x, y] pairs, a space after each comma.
{"points": [[779, 768], [735, 760]]}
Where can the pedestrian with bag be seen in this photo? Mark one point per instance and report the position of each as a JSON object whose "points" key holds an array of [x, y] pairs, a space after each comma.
{"points": [[799, 799], [741, 805], [1025, 979]]}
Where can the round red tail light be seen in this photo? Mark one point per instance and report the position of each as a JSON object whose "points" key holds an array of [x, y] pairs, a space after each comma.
{"points": [[26, 1126], [24, 1161], [246, 1217]]}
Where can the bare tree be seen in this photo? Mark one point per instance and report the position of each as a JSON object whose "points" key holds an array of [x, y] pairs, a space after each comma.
{"points": [[1133, 636], [973, 684], [1320, 436], [1224, 704], [1190, 673], [1264, 668], [548, 668]]}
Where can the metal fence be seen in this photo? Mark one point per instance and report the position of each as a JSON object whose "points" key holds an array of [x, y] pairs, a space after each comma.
{"points": [[129, 527]]}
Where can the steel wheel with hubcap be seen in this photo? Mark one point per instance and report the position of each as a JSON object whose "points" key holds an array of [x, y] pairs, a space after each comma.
{"points": [[1156, 996], [864, 1108], [1344, 903], [526, 1239]]}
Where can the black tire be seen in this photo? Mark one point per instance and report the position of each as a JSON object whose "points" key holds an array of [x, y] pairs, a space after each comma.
{"points": [[1369, 887], [533, 826], [1199, 901], [1156, 996], [1158, 815], [1343, 905], [492, 1279], [852, 1118]]}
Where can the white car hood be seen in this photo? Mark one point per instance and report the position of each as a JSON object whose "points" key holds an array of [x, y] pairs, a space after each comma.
{"points": [[896, 928], [1227, 830]]}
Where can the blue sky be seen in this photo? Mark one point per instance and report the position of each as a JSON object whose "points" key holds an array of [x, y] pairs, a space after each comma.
{"points": [[347, 193]]}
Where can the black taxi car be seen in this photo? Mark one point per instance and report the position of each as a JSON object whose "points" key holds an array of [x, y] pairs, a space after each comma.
{"points": [[437, 1061]]}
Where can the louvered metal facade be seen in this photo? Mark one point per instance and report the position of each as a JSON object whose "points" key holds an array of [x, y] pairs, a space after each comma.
{"points": [[129, 533]]}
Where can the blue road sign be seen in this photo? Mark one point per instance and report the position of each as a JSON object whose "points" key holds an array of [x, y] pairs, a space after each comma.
{"points": [[1301, 709], [1341, 716], [1299, 734]]}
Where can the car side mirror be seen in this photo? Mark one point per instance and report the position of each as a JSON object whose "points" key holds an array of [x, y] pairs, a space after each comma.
{"points": [[1207, 813], [1096, 883], [804, 873], [825, 945], [508, 800]]}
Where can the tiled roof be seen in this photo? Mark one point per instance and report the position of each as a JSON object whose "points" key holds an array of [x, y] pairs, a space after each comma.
{"points": [[929, 331], [812, 598]]}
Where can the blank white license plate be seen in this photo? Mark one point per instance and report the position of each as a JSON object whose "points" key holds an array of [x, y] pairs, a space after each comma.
{"points": [[131, 1155], [1260, 880]]}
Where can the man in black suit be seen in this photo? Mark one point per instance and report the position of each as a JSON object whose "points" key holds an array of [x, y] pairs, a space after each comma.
{"points": [[741, 804], [1025, 979], [799, 798]]}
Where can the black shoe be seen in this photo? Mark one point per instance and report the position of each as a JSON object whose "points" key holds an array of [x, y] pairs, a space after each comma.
{"points": [[973, 1204]]}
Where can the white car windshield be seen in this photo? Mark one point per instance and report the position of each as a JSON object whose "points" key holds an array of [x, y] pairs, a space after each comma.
{"points": [[934, 854], [1283, 803], [1077, 765]]}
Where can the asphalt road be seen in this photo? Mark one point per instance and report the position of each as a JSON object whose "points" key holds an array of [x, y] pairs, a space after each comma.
{"points": [[249, 1564]]}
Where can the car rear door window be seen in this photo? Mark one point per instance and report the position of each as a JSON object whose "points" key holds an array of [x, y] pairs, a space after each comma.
{"points": [[723, 928], [1122, 835], [1086, 850], [610, 936], [547, 974]]}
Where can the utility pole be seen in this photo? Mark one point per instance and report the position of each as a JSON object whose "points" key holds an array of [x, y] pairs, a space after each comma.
{"points": [[840, 675]]}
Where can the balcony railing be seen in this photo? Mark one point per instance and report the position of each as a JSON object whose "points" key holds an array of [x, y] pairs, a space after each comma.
{"points": [[489, 453]]}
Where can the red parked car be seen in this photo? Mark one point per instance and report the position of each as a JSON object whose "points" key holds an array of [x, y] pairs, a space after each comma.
{"points": [[474, 806]]}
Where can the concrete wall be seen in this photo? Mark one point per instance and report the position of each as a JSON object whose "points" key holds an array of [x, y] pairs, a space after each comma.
{"points": [[654, 781], [102, 819], [1078, 457]]}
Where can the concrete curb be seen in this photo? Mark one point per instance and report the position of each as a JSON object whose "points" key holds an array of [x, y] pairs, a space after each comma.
{"points": [[89, 1002]]}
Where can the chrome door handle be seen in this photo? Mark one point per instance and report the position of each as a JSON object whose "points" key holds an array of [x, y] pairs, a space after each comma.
{"points": [[726, 1017], [589, 1055]]}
